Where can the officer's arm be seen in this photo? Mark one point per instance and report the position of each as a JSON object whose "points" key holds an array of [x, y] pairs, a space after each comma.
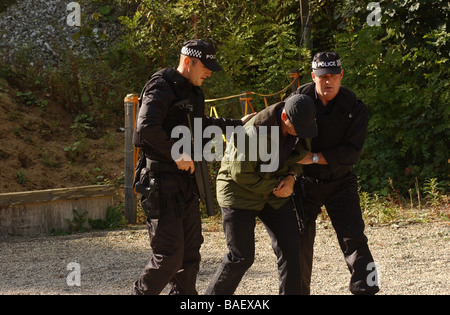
{"points": [[222, 123], [155, 104], [350, 150], [308, 159]]}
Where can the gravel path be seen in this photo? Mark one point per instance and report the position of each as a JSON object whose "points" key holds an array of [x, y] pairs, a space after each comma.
{"points": [[414, 259]]}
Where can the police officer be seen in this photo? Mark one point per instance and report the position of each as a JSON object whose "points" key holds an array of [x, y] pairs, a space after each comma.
{"points": [[245, 191], [175, 237], [342, 121]]}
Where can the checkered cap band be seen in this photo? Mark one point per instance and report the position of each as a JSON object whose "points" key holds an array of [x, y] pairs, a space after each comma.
{"points": [[191, 52]]}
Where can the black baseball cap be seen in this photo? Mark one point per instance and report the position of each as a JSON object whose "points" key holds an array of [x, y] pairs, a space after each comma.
{"points": [[202, 50], [301, 112], [326, 63]]}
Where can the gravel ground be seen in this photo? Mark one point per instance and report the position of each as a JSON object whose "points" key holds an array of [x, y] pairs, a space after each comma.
{"points": [[413, 259]]}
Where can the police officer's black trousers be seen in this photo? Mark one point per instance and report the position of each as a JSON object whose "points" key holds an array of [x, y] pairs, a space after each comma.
{"points": [[175, 240], [341, 200], [239, 228]]}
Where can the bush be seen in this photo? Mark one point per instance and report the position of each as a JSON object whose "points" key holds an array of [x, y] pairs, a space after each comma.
{"points": [[405, 84]]}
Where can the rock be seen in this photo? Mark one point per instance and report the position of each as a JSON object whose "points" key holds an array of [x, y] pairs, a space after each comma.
{"points": [[42, 26]]}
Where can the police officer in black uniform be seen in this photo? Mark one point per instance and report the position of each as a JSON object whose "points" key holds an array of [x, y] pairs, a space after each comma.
{"points": [[175, 236], [342, 120]]}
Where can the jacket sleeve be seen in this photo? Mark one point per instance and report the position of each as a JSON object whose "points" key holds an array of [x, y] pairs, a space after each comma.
{"points": [[247, 175], [245, 169], [302, 149], [222, 123], [155, 105], [349, 151]]}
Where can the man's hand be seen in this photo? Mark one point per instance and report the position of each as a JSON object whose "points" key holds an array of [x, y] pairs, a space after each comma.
{"points": [[185, 163], [246, 118], [285, 187]]}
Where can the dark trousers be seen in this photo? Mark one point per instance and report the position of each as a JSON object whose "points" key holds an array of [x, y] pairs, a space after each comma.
{"points": [[341, 200], [175, 240], [239, 228]]}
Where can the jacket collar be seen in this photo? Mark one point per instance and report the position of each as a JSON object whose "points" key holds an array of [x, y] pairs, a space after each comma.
{"points": [[268, 116], [345, 98]]}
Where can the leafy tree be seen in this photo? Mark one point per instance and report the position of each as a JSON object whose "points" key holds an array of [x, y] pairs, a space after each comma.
{"points": [[257, 40], [401, 70]]}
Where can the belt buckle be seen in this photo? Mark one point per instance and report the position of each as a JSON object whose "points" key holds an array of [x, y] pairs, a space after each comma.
{"points": [[311, 180]]}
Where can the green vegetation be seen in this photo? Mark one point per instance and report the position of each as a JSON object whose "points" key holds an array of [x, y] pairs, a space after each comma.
{"points": [[114, 219], [5, 4], [400, 69], [22, 177]]}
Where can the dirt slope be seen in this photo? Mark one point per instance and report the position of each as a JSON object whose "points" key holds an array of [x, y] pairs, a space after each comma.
{"points": [[32, 142]]}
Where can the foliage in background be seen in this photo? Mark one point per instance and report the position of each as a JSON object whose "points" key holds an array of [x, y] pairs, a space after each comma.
{"points": [[257, 41], [6, 3], [92, 77], [114, 219], [399, 69]]}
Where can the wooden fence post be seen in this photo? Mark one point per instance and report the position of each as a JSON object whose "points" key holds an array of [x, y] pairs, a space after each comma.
{"points": [[245, 99], [131, 103], [295, 74]]}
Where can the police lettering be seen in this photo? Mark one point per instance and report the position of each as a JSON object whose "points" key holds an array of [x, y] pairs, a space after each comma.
{"points": [[327, 64], [247, 305], [210, 56]]}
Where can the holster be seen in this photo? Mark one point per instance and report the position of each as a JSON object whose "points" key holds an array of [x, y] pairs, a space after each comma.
{"points": [[147, 184]]}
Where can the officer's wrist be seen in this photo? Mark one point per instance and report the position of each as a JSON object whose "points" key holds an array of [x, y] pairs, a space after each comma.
{"points": [[291, 174]]}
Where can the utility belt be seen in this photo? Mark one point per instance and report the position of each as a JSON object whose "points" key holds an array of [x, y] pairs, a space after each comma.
{"points": [[147, 184], [162, 167], [325, 178]]}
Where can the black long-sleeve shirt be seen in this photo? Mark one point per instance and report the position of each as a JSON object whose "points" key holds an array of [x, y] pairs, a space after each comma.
{"points": [[342, 125], [157, 115]]}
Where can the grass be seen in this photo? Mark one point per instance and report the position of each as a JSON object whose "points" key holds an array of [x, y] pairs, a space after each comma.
{"points": [[429, 204], [4, 4], [376, 208]]}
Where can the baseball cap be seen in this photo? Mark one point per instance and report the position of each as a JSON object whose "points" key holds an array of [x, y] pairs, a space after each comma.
{"points": [[202, 50], [326, 63], [301, 112]]}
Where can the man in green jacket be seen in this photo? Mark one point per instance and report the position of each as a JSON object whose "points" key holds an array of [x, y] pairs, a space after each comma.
{"points": [[255, 183]]}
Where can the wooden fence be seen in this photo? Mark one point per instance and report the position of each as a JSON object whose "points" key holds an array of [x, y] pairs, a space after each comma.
{"points": [[40, 212]]}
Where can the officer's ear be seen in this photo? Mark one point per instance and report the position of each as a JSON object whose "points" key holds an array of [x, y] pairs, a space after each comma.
{"points": [[187, 62], [284, 116]]}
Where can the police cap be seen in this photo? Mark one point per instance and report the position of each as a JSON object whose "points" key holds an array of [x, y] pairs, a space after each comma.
{"points": [[301, 111], [326, 63], [202, 50]]}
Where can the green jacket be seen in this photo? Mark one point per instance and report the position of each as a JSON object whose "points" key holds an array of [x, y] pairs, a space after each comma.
{"points": [[241, 183]]}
